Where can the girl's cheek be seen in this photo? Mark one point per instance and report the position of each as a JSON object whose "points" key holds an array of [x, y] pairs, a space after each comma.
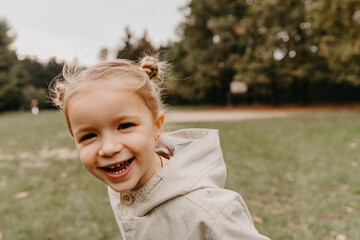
{"points": [[143, 142], [85, 155]]}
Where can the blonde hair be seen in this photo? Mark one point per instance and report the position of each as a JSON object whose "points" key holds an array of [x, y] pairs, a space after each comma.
{"points": [[144, 78]]}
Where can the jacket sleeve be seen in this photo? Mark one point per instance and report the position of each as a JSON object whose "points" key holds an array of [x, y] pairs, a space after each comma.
{"points": [[235, 222]]}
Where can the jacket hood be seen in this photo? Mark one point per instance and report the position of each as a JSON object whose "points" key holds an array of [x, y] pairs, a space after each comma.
{"points": [[196, 162]]}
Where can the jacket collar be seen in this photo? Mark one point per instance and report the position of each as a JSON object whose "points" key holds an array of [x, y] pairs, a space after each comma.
{"points": [[197, 162]]}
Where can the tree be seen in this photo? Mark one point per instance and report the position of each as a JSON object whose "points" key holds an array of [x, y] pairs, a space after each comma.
{"points": [[281, 52], [103, 54], [37, 77], [21, 81], [53, 67], [34, 72], [338, 31], [205, 56], [133, 49], [10, 73], [286, 51]]}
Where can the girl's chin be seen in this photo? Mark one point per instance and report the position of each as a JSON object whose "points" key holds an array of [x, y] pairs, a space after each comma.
{"points": [[119, 188]]}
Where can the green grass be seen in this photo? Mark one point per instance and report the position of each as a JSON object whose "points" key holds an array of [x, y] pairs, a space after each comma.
{"points": [[299, 177]]}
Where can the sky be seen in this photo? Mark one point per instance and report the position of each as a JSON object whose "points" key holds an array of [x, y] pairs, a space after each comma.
{"points": [[69, 29]]}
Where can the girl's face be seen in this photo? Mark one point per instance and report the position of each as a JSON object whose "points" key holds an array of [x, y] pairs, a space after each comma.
{"points": [[114, 132]]}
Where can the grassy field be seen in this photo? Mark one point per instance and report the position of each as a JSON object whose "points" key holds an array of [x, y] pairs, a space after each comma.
{"points": [[299, 176]]}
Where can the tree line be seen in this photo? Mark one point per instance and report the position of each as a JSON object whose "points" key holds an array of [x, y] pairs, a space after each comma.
{"points": [[22, 80], [295, 51]]}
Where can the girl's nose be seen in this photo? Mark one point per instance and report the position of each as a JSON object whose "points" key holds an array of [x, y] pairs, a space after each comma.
{"points": [[109, 147]]}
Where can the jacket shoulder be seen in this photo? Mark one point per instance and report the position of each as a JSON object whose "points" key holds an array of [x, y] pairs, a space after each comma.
{"points": [[215, 200], [230, 217]]}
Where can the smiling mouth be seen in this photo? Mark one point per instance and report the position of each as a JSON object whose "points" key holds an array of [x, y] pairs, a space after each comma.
{"points": [[119, 168]]}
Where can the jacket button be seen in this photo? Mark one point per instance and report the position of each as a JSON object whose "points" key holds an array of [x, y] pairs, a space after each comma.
{"points": [[127, 199]]}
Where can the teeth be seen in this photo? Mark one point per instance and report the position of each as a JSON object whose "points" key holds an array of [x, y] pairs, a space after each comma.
{"points": [[118, 165], [111, 168], [120, 171]]}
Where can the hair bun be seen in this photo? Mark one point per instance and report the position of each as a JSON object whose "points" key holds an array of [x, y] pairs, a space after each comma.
{"points": [[150, 66]]}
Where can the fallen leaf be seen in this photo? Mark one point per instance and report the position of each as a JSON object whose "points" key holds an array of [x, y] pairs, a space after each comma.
{"points": [[296, 197], [257, 219], [333, 234], [290, 176], [341, 237], [2, 183], [349, 209], [303, 226], [58, 215], [63, 174], [352, 145], [21, 195], [344, 187]]}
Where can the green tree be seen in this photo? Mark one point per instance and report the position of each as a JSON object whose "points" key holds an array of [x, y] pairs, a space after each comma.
{"points": [[282, 51], [53, 67], [37, 77], [11, 94], [205, 56], [338, 31], [103, 54], [34, 72], [286, 51], [134, 48]]}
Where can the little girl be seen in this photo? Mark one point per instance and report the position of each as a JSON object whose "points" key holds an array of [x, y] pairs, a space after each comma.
{"points": [[161, 186]]}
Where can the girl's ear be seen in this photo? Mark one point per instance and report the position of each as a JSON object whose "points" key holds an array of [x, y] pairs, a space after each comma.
{"points": [[159, 124]]}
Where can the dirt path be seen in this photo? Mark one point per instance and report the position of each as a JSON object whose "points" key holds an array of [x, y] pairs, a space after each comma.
{"points": [[244, 113], [218, 115]]}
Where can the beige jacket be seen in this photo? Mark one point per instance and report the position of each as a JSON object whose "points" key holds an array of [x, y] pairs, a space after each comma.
{"points": [[186, 199]]}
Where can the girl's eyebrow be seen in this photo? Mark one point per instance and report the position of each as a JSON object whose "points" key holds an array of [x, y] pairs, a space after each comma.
{"points": [[84, 129], [122, 117]]}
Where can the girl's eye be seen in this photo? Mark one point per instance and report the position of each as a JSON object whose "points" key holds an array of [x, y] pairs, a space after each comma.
{"points": [[87, 136], [125, 126]]}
